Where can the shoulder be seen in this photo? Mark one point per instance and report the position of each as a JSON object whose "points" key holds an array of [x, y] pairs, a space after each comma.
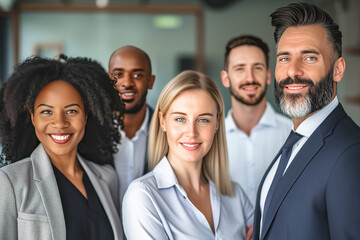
{"points": [[141, 192], [146, 183], [18, 172], [342, 137]]}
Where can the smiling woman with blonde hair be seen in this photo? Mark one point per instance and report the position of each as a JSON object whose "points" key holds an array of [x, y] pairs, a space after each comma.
{"points": [[188, 194]]}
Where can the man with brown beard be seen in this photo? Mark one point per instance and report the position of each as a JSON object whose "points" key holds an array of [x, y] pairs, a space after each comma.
{"points": [[311, 189], [254, 131], [130, 70]]}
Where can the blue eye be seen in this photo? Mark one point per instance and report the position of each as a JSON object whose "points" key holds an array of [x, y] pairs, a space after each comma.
{"points": [[180, 119], [203, 120], [311, 58], [283, 59]]}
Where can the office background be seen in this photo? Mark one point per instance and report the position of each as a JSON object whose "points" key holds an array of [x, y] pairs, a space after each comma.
{"points": [[177, 34]]}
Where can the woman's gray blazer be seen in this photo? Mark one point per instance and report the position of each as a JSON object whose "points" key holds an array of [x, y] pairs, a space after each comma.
{"points": [[30, 204]]}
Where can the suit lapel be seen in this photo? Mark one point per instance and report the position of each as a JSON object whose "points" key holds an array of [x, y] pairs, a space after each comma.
{"points": [[258, 196], [46, 184], [301, 160], [102, 191]]}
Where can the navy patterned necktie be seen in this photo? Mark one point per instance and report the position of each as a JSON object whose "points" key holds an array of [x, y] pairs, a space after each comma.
{"points": [[285, 155]]}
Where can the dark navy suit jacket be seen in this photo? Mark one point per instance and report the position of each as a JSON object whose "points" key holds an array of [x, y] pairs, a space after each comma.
{"points": [[319, 195]]}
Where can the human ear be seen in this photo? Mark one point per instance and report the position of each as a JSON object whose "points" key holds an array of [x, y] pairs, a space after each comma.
{"points": [[32, 117], [225, 79], [339, 69], [151, 81], [268, 81], [162, 122]]}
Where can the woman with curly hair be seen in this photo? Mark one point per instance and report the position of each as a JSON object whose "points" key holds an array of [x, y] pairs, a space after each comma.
{"points": [[59, 133]]}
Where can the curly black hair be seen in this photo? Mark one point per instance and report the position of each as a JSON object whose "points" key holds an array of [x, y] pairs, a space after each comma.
{"points": [[102, 105]]}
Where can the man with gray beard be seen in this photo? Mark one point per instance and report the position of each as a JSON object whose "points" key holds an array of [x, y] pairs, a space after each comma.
{"points": [[310, 190]]}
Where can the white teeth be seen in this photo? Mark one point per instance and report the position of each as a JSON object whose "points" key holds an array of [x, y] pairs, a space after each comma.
{"points": [[249, 88], [60, 137], [191, 145], [293, 88], [129, 94]]}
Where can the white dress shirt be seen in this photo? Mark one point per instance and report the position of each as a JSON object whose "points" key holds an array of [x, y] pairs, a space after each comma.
{"points": [[155, 206], [130, 159], [250, 156], [306, 128]]}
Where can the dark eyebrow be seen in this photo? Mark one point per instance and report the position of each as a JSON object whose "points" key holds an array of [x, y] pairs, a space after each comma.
{"points": [[67, 106], [45, 105], [133, 70], [239, 65], [311, 51], [138, 70], [282, 53], [303, 52], [257, 64], [70, 105], [118, 69]]}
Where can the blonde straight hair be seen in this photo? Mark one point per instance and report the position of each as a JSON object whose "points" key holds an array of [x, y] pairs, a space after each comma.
{"points": [[215, 162]]}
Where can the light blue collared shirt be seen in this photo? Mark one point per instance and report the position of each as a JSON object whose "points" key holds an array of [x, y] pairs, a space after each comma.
{"points": [[306, 128], [155, 206]]}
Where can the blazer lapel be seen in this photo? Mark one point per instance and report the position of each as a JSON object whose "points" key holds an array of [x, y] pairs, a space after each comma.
{"points": [[258, 196], [102, 190], [301, 160], [47, 186]]}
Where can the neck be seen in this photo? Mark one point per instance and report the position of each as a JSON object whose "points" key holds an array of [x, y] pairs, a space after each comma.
{"points": [[247, 117], [67, 164], [189, 175], [133, 122]]}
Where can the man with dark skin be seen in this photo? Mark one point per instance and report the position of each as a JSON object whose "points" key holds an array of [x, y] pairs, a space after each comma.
{"points": [[130, 70]]}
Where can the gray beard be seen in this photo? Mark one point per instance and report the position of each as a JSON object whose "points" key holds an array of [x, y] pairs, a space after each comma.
{"points": [[317, 97]]}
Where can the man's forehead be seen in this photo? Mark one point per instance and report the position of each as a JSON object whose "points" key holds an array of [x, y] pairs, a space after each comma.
{"points": [[246, 54], [129, 60], [310, 36]]}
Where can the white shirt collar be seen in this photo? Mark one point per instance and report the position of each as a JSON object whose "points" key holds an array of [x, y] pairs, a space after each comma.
{"points": [[164, 174], [267, 119], [143, 128], [166, 178]]}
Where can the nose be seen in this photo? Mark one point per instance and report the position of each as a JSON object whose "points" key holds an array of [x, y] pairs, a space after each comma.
{"points": [[60, 121], [191, 129], [127, 81], [249, 75], [295, 69]]}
